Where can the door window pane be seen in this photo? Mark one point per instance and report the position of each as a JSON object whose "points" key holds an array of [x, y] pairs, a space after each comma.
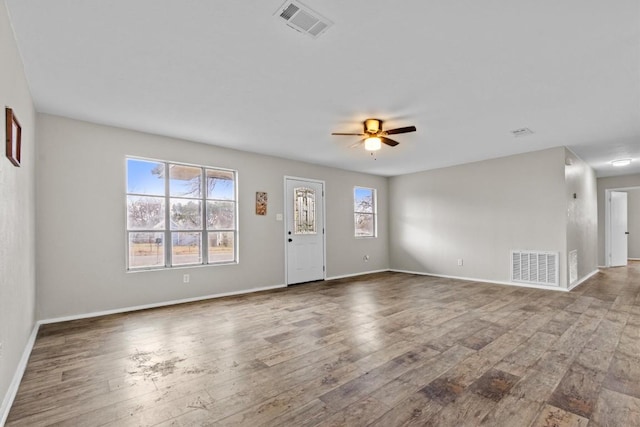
{"points": [[304, 206]]}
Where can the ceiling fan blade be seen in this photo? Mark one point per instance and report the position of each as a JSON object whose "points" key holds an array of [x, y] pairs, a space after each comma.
{"points": [[389, 142], [340, 133], [405, 129], [356, 144]]}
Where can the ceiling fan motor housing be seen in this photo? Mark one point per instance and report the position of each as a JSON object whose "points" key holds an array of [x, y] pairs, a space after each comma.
{"points": [[372, 126]]}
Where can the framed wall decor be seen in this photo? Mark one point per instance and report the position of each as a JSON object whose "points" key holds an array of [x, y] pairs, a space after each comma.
{"points": [[261, 203], [14, 137]]}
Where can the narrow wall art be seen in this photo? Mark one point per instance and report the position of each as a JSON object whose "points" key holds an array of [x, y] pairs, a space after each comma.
{"points": [[261, 203], [13, 137]]}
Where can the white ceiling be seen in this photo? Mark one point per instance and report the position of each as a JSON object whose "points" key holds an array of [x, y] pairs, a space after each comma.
{"points": [[465, 73]]}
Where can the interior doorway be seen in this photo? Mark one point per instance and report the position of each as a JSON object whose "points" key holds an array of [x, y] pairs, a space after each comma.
{"points": [[618, 229], [618, 235]]}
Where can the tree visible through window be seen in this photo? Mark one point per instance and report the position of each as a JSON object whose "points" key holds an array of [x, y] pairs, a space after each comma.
{"points": [[364, 201], [179, 214]]}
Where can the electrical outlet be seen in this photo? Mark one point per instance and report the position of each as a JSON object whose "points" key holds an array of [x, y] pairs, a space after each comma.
{"points": [[185, 278], [365, 258], [459, 262]]}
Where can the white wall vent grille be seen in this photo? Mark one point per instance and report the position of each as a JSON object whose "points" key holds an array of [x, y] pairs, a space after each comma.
{"points": [[303, 19], [535, 267]]}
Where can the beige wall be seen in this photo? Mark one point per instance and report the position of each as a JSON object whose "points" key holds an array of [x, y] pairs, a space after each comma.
{"points": [[17, 210], [81, 220], [479, 212], [582, 213], [613, 182], [633, 207]]}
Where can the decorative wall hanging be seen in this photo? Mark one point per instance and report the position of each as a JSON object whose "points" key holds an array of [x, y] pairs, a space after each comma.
{"points": [[261, 203], [14, 137]]}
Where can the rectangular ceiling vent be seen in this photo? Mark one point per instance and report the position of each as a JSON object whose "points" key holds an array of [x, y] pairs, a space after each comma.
{"points": [[535, 267], [303, 19]]}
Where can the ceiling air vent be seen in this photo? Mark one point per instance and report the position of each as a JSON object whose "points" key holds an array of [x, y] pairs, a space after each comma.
{"points": [[522, 132], [303, 19]]}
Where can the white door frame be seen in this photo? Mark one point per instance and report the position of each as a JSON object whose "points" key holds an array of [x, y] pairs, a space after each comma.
{"points": [[607, 221], [286, 224]]}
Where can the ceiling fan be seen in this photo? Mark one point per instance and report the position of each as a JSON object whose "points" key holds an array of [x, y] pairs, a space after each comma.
{"points": [[374, 136]]}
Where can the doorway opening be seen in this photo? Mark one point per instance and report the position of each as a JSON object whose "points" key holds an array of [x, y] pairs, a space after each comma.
{"points": [[617, 226]]}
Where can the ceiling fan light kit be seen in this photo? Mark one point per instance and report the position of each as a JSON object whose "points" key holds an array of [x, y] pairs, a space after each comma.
{"points": [[372, 144], [375, 136]]}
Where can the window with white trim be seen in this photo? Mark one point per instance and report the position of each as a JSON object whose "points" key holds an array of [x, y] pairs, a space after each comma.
{"points": [[364, 212], [179, 215]]}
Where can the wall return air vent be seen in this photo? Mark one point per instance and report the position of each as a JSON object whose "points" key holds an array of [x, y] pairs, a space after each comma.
{"points": [[303, 19], [535, 267]]}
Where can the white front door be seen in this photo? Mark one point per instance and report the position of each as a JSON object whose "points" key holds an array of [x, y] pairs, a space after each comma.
{"points": [[618, 235], [304, 238]]}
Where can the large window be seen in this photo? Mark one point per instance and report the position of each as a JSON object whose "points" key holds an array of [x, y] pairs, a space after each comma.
{"points": [[364, 208], [179, 215]]}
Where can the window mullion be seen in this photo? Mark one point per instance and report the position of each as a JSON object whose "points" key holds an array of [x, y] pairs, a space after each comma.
{"points": [[204, 235], [168, 245]]}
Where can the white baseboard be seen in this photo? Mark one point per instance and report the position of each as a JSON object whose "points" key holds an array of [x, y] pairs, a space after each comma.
{"points": [[155, 305], [585, 278], [17, 376], [344, 276], [602, 267], [495, 282]]}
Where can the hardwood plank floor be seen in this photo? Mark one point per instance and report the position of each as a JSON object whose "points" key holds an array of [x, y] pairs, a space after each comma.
{"points": [[385, 349]]}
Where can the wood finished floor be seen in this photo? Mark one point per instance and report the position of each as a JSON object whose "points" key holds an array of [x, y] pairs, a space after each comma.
{"points": [[388, 349]]}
